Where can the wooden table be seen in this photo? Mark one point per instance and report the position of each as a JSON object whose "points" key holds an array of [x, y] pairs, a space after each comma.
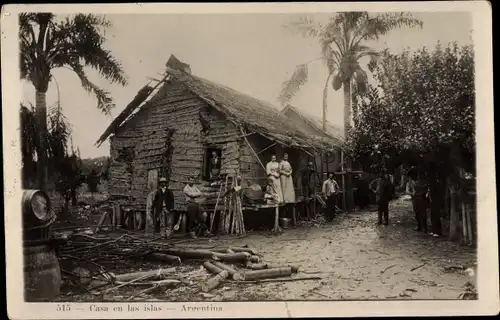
{"points": [[276, 207]]}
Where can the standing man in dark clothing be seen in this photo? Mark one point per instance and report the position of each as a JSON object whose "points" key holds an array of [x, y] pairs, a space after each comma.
{"points": [[383, 194], [160, 206], [418, 189], [306, 175], [436, 196]]}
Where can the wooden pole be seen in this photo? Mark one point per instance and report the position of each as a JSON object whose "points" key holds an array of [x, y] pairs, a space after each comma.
{"points": [[263, 274]]}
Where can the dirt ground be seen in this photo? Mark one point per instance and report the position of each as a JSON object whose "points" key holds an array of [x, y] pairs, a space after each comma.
{"points": [[355, 258]]}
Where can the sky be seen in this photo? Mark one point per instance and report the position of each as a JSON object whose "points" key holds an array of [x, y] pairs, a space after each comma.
{"points": [[252, 53]]}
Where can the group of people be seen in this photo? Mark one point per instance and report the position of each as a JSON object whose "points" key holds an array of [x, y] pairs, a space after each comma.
{"points": [[280, 188], [160, 206]]}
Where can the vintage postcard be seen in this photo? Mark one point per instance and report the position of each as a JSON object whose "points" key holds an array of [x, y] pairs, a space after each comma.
{"points": [[249, 160]]}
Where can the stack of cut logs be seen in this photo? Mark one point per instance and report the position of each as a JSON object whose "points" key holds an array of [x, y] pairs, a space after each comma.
{"points": [[239, 264]]}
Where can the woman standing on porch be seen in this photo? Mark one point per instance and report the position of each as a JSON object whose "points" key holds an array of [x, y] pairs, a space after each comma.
{"points": [[272, 171], [286, 180]]}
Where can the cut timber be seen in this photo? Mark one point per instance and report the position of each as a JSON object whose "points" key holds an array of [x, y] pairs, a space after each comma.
{"points": [[159, 273], [212, 268], [215, 281], [257, 266], [164, 257], [242, 249], [229, 250], [261, 266], [283, 280], [223, 266], [263, 274], [254, 259], [233, 257], [191, 253]]}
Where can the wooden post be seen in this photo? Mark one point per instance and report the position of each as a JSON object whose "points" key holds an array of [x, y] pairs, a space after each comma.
{"points": [[294, 214]]}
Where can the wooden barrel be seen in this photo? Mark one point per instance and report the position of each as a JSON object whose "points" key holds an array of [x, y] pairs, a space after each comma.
{"points": [[35, 212], [42, 274]]}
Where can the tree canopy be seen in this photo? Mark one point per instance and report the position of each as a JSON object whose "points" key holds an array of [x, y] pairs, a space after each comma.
{"points": [[423, 107]]}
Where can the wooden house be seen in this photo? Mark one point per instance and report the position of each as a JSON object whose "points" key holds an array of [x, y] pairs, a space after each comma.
{"points": [[178, 125]]}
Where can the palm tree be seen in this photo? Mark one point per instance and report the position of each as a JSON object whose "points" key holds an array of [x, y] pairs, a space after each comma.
{"points": [[342, 45], [74, 43]]}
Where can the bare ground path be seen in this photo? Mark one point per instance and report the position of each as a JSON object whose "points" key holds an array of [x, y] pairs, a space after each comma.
{"points": [[355, 258]]}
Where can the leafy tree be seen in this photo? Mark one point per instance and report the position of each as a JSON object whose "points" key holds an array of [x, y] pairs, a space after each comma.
{"points": [[73, 43], [342, 41], [421, 113]]}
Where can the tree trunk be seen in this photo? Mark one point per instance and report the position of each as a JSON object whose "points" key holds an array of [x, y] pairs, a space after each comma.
{"points": [[42, 157], [348, 163], [74, 201], [325, 100]]}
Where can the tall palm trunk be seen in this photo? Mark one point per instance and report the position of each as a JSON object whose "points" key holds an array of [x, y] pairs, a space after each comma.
{"points": [[325, 100], [347, 167], [41, 119]]}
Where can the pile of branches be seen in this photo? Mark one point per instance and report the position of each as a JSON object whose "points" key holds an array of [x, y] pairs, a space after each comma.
{"points": [[89, 265]]}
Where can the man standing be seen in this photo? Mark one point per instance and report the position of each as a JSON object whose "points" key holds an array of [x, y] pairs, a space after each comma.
{"points": [[195, 214], [306, 175], [418, 190], [330, 190], [160, 207], [383, 194]]}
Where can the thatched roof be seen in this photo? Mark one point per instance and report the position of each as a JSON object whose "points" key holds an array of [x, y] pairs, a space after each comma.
{"points": [[253, 114], [332, 131]]}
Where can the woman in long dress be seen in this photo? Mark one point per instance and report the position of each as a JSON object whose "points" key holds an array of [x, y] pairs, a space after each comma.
{"points": [[286, 178], [272, 171]]}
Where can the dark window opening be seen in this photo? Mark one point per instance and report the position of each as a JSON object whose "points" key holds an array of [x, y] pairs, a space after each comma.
{"points": [[212, 164]]}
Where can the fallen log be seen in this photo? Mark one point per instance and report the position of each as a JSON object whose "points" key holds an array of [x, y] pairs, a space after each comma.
{"points": [[159, 273], [282, 280], [262, 266], [232, 257], [229, 250], [190, 253], [215, 281], [263, 274], [164, 257], [212, 268], [257, 266], [244, 249], [254, 259], [223, 266]]}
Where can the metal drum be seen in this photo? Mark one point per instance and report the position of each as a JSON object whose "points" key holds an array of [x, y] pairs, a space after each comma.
{"points": [[42, 274]]}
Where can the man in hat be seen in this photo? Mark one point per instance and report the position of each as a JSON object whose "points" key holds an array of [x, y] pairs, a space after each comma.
{"points": [[162, 209]]}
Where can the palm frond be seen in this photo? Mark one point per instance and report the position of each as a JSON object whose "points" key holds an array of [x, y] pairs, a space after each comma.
{"points": [[305, 26], [104, 101], [381, 24], [292, 86]]}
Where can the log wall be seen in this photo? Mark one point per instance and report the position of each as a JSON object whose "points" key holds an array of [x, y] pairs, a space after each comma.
{"points": [[172, 108]]}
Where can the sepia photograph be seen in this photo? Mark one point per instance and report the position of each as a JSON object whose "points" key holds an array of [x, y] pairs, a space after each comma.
{"points": [[314, 155]]}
